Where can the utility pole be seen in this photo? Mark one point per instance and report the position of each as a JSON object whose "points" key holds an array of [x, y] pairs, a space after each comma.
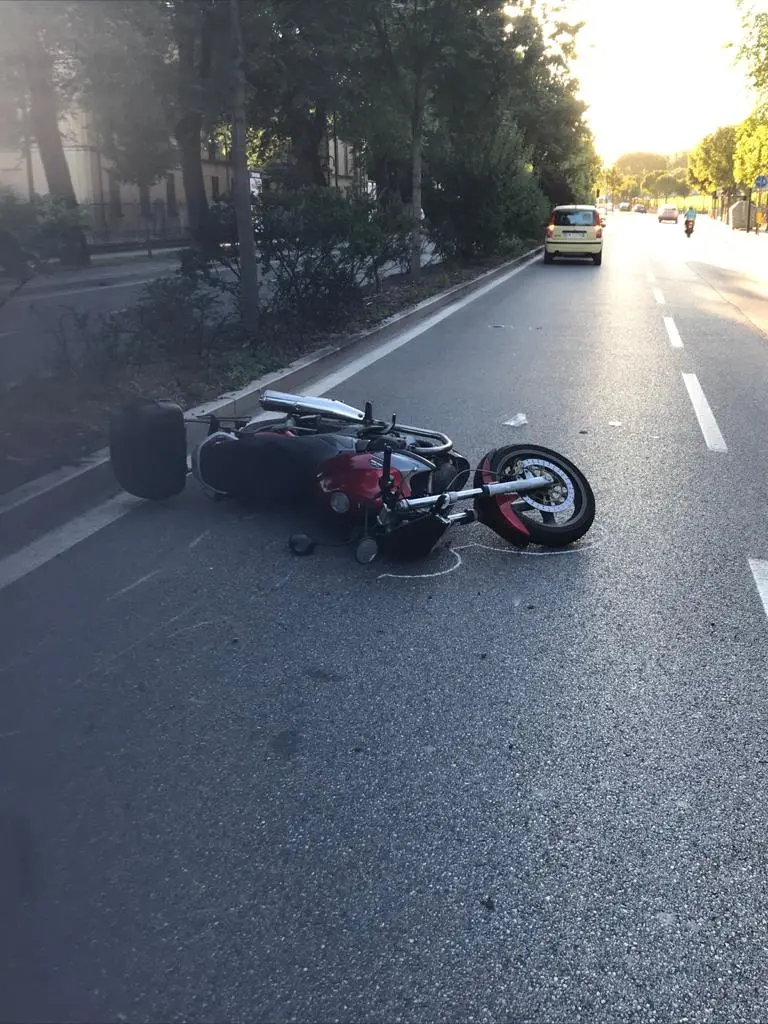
{"points": [[249, 264]]}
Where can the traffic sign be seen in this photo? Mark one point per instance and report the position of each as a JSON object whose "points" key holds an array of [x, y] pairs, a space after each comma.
{"points": [[762, 182]]}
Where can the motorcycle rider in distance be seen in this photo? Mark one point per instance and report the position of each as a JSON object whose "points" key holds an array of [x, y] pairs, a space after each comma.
{"points": [[689, 219]]}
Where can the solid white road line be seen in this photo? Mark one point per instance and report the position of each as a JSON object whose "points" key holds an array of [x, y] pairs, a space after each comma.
{"points": [[674, 335], [658, 294], [55, 543], [705, 416], [36, 554], [759, 569]]}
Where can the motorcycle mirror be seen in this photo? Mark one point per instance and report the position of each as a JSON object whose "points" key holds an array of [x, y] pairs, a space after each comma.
{"points": [[368, 416]]}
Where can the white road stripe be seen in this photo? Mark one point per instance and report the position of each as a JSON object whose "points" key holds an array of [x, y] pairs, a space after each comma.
{"points": [[759, 569], [55, 543], [705, 416], [658, 294], [674, 335]]}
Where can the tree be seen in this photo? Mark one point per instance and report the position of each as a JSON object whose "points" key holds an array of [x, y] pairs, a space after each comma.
{"points": [[34, 67], [710, 164], [668, 184], [614, 181], [635, 164], [750, 157], [411, 46], [546, 105], [249, 274], [754, 47], [650, 183], [159, 63], [298, 58]]}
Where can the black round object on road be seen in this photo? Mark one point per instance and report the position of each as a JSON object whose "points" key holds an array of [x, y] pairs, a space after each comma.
{"points": [[148, 449], [301, 544]]}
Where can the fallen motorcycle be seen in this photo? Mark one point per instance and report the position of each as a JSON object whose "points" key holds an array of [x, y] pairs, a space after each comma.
{"points": [[393, 488]]}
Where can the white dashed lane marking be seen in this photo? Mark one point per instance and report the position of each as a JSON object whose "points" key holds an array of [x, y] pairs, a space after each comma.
{"points": [[674, 335], [709, 428]]}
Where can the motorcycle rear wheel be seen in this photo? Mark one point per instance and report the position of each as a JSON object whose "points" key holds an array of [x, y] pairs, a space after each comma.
{"points": [[569, 497]]}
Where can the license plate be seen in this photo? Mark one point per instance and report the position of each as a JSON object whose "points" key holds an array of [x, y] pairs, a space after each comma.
{"points": [[579, 233]]}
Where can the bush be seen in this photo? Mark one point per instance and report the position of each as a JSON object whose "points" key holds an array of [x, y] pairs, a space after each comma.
{"points": [[480, 196], [324, 248], [42, 226]]}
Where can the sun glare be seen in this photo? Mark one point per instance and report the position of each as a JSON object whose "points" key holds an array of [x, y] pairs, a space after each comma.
{"points": [[658, 76]]}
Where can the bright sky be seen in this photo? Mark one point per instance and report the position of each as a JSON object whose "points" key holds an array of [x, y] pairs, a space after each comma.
{"points": [[655, 74]]}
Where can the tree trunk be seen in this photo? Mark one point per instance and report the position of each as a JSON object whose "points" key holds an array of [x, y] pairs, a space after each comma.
{"points": [[44, 119], [189, 26], [308, 133], [417, 154], [189, 133], [249, 266]]}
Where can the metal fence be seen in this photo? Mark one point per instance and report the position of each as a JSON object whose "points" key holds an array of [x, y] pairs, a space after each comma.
{"points": [[132, 223]]}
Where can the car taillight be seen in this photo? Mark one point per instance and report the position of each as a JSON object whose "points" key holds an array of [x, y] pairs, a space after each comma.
{"points": [[550, 228], [599, 233]]}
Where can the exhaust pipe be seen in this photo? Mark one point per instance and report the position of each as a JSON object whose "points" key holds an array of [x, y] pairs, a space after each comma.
{"points": [[306, 405]]}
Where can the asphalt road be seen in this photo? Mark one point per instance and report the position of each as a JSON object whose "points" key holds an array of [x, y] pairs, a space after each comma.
{"points": [[33, 320], [242, 786]]}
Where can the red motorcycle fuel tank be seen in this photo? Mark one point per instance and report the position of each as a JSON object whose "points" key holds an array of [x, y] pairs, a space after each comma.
{"points": [[358, 476]]}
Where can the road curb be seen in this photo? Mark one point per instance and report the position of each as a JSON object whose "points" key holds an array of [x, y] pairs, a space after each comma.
{"points": [[50, 500]]}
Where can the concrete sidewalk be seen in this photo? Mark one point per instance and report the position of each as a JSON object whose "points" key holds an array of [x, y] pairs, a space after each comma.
{"points": [[718, 244]]}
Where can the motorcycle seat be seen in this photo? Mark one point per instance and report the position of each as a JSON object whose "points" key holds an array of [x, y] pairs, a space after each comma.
{"points": [[264, 466]]}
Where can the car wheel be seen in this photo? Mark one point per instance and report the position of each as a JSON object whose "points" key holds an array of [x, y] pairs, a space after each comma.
{"points": [[597, 260], [548, 257]]}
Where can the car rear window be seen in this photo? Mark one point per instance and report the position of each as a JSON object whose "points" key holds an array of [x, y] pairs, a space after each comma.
{"points": [[576, 218]]}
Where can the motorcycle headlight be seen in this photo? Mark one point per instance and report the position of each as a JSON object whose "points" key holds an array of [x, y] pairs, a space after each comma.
{"points": [[340, 503]]}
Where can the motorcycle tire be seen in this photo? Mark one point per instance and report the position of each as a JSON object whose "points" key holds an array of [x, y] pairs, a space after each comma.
{"points": [[148, 449], [496, 466]]}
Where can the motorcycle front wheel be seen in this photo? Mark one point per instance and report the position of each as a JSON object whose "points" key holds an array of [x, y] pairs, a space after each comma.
{"points": [[554, 517]]}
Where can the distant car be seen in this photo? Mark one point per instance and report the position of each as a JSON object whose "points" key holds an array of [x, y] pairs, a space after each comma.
{"points": [[574, 231], [640, 208], [668, 213], [624, 207]]}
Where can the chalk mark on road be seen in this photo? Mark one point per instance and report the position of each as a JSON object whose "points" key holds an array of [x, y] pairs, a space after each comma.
{"points": [[575, 549]]}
